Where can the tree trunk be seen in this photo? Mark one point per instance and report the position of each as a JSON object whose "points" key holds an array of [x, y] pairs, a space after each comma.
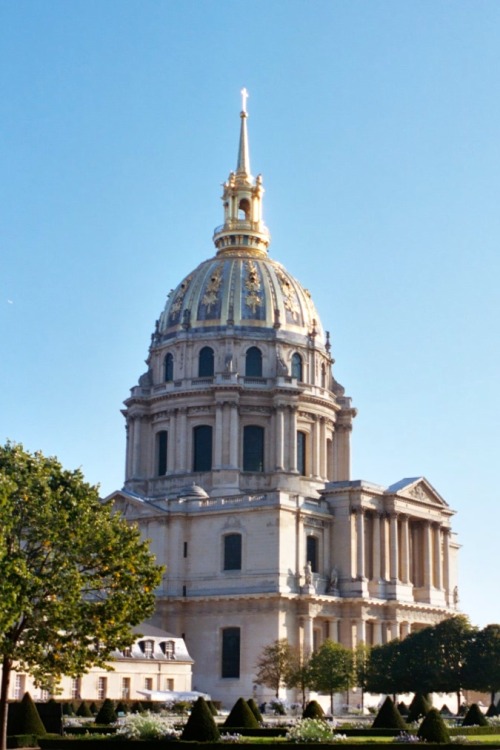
{"points": [[331, 703], [4, 694], [458, 702]]}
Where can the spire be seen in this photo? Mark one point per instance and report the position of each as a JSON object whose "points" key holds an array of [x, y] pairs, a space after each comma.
{"points": [[243, 226], [243, 166]]}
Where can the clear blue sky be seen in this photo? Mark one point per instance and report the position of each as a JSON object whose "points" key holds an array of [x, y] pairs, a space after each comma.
{"points": [[376, 126]]}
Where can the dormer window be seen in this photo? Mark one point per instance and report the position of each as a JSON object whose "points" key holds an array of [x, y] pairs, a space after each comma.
{"points": [[168, 648], [147, 648], [127, 652]]}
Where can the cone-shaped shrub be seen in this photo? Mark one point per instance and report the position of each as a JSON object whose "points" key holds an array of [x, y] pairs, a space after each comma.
{"points": [[403, 708], [200, 727], [419, 707], [388, 717], [137, 708], [84, 710], [67, 709], [433, 728], [107, 713], [445, 711], [26, 719], [241, 716], [474, 717], [122, 708], [254, 709], [313, 710], [492, 711], [93, 708], [213, 708]]}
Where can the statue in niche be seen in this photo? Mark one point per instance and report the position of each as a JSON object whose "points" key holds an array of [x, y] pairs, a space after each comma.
{"points": [[333, 584], [455, 597], [228, 363], [308, 573], [281, 368]]}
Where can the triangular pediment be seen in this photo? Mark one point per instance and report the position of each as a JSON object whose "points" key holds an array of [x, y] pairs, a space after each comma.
{"points": [[419, 489], [132, 507]]}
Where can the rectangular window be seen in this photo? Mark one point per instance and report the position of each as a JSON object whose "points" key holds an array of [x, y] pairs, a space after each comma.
{"points": [[232, 552], [169, 684], [148, 683], [312, 552], [161, 449], [102, 688], [301, 453], [125, 688], [202, 448], [19, 685], [185, 549], [148, 649], [76, 687], [253, 448], [230, 653]]}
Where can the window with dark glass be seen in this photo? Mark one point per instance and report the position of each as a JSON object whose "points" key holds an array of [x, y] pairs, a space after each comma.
{"points": [[169, 367], [230, 652], [202, 449], [161, 452], [232, 552], [297, 366], [253, 362], [253, 448], [206, 362], [312, 552], [301, 453]]}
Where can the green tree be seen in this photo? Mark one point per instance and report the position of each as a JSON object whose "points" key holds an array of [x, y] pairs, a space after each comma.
{"points": [[298, 673], [332, 669], [482, 669], [382, 668], [273, 665], [74, 576], [361, 668]]}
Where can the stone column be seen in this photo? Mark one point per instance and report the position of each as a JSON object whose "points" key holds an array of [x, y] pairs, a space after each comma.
{"points": [[393, 630], [376, 547], [219, 414], [316, 449], [438, 577], [234, 442], [427, 555], [308, 634], [323, 466], [136, 443], [360, 632], [405, 550], [182, 438], [393, 545], [360, 538], [334, 630], [404, 629], [384, 538], [171, 444], [292, 455], [377, 632], [446, 564], [279, 439]]}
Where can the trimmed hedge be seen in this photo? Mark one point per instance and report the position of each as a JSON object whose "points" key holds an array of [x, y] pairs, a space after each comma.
{"points": [[22, 740], [23, 718]]}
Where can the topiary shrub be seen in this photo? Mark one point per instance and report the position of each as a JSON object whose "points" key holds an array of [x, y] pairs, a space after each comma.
{"points": [[255, 710], [433, 728], [474, 717], [122, 708], [93, 708], [24, 718], [403, 708], [241, 716], [388, 717], [492, 711], [201, 727], [137, 708], [445, 711], [67, 709], [313, 710], [107, 713], [83, 710], [419, 707], [213, 708]]}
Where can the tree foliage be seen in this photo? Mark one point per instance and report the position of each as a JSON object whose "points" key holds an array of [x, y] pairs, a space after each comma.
{"points": [[273, 665], [482, 670], [332, 669], [74, 576]]}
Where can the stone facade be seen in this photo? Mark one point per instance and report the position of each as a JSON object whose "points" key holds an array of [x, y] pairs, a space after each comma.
{"points": [[238, 471]]}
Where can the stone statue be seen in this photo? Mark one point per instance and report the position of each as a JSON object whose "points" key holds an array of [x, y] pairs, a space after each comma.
{"points": [[308, 573], [334, 580], [455, 596]]}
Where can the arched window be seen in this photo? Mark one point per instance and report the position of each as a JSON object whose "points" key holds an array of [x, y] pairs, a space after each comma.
{"points": [[301, 452], [232, 552], [323, 376], [230, 666], [202, 448], [297, 366], [253, 448], [206, 362], [161, 452], [169, 368], [244, 209], [312, 552], [253, 362]]}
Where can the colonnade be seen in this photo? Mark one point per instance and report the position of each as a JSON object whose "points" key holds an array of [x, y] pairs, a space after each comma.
{"points": [[398, 548], [350, 633]]}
